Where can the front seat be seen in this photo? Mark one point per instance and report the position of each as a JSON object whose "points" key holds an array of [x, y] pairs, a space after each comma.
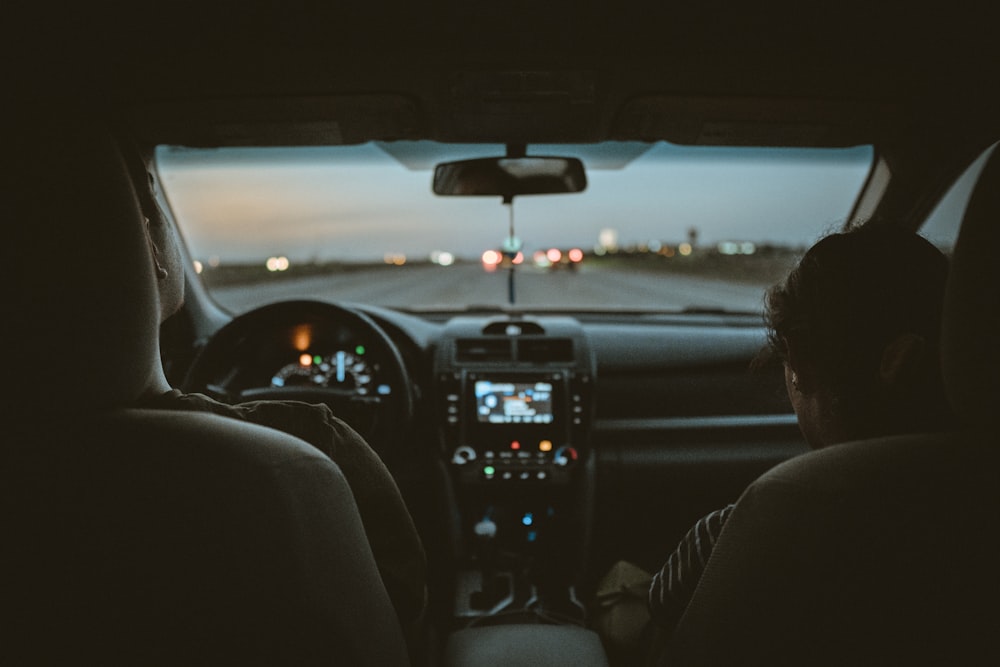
{"points": [[882, 552], [137, 536]]}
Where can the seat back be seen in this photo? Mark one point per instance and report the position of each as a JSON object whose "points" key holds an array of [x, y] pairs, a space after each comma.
{"points": [[882, 551], [139, 536]]}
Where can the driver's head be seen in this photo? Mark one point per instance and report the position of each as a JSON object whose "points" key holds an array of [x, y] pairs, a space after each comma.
{"points": [[82, 293], [164, 246], [165, 249]]}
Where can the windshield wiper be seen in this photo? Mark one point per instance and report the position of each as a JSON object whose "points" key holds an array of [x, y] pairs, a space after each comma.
{"points": [[710, 310], [470, 308]]}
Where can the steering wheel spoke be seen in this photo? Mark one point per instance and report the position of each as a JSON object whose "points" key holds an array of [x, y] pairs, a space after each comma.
{"points": [[307, 394]]}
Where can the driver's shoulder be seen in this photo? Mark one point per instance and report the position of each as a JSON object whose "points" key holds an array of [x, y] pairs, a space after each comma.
{"points": [[314, 423], [175, 399]]}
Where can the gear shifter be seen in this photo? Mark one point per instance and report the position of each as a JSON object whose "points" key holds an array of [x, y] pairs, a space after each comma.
{"points": [[495, 588]]}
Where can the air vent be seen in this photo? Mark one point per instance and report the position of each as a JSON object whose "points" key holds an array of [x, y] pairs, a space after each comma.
{"points": [[540, 350], [512, 328], [484, 349]]}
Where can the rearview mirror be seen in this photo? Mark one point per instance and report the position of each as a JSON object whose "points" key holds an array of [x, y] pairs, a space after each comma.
{"points": [[508, 177]]}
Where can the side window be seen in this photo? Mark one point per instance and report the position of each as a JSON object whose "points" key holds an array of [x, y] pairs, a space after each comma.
{"points": [[941, 226]]}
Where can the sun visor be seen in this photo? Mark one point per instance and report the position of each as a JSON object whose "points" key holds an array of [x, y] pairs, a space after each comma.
{"points": [[425, 155], [302, 121], [714, 121]]}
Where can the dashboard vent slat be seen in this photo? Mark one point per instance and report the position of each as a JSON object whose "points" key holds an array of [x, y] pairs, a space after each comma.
{"points": [[484, 349], [541, 350]]}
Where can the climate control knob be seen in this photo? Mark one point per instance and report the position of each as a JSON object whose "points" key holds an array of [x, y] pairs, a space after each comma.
{"points": [[564, 456], [463, 455]]}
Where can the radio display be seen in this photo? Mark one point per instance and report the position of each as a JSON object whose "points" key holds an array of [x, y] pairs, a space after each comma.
{"points": [[502, 402]]}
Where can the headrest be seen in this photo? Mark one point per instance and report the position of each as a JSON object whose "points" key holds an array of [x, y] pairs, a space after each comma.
{"points": [[971, 333], [83, 311]]}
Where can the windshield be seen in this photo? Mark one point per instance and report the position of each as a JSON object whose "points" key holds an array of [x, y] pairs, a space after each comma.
{"points": [[659, 227]]}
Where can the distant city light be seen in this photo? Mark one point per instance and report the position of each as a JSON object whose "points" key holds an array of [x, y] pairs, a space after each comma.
{"points": [[277, 264], [575, 255], [654, 246], [442, 258], [733, 248], [492, 258], [554, 255], [684, 249], [608, 238], [305, 359], [198, 267], [511, 244], [396, 258]]}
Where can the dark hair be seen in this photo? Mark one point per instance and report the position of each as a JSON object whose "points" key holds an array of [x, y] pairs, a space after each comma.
{"points": [[851, 295]]}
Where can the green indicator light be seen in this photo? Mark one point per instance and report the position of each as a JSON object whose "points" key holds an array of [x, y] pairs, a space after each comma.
{"points": [[360, 349], [489, 470], [317, 359]]}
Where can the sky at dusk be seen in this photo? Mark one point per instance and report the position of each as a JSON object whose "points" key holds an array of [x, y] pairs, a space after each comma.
{"points": [[358, 203]]}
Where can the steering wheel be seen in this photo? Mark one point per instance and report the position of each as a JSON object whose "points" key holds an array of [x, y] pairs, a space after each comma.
{"points": [[382, 416]]}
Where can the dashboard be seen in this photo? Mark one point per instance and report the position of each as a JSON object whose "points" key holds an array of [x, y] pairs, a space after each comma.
{"points": [[536, 445]]}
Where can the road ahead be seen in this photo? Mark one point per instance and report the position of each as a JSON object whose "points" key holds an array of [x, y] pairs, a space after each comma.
{"points": [[432, 286]]}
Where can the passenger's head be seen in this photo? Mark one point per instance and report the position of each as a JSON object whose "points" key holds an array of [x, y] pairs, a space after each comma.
{"points": [[857, 324]]}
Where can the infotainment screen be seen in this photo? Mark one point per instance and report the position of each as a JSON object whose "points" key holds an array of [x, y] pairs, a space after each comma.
{"points": [[513, 402]]}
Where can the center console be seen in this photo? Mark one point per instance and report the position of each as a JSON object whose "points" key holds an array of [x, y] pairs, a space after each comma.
{"points": [[515, 403], [516, 427]]}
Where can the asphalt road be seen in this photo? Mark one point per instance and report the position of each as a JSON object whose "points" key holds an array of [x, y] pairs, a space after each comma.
{"points": [[449, 287]]}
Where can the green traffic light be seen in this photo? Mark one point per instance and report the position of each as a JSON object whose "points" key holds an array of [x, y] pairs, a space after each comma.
{"points": [[360, 349], [489, 471]]}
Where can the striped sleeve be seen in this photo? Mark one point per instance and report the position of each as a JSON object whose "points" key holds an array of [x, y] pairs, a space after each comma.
{"points": [[673, 586]]}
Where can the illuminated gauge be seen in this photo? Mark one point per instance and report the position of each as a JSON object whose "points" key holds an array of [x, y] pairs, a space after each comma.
{"points": [[348, 370], [342, 369], [298, 375]]}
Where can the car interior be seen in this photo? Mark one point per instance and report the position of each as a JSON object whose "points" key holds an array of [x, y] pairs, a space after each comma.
{"points": [[537, 441]]}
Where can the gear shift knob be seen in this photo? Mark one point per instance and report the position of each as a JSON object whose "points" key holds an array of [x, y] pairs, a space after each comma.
{"points": [[485, 529]]}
